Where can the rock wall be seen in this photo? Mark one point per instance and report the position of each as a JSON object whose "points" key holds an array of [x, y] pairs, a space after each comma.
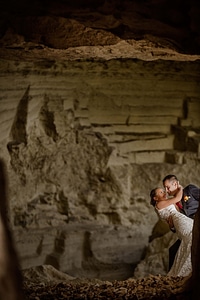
{"points": [[84, 143], [62, 24], [137, 106]]}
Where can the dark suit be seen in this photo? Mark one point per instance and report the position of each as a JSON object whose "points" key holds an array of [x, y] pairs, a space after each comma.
{"points": [[190, 203]]}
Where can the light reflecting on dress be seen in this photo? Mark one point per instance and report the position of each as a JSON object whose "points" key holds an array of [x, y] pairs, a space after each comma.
{"points": [[182, 265]]}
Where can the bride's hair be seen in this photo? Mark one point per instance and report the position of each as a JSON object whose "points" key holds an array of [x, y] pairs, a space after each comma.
{"points": [[152, 195]]}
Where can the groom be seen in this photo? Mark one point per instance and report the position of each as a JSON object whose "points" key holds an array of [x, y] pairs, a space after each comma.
{"points": [[188, 205]]}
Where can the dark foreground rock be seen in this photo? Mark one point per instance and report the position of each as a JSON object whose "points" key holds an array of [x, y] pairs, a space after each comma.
{"points": [[151, 287]]}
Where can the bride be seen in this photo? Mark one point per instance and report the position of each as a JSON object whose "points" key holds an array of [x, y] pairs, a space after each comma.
{"points": [[166, 207]]}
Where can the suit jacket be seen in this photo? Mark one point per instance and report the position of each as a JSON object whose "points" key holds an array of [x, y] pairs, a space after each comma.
{"points": [[190, 200]]}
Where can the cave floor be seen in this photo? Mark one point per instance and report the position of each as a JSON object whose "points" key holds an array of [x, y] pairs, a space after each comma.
{"points": [[151, 287]]}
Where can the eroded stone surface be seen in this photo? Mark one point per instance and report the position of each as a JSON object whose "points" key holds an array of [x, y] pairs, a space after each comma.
{"points": [[95, 111], [82, 149]]}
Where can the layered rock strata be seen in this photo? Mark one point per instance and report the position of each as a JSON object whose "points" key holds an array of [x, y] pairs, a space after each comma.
{"points": [[83, 142]]}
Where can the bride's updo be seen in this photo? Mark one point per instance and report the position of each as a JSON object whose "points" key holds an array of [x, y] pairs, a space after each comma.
{"points": [[152, 195]]}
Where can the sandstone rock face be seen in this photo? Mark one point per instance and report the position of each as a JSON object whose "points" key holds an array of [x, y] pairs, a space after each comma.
{"points": [[83, 143], [64, 24], [96, 107]]}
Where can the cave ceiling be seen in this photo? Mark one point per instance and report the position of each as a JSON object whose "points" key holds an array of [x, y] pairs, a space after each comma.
{"points": [[40, 28]]}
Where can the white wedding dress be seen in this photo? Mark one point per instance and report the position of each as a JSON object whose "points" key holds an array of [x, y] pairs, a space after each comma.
{"points": [[182, 265]]}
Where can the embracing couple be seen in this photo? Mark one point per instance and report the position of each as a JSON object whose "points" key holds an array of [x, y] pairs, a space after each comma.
{"points": [[177, 206]]}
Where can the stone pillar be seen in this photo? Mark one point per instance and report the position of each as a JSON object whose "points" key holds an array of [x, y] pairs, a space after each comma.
{"points": [[10, 276], [194, 285]]}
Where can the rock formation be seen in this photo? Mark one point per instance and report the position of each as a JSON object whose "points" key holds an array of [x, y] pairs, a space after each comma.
{"points": [[10, 273], [99, 101], [193, 283]]}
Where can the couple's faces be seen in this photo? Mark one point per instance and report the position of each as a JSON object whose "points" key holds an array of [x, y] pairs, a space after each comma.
{"points": [[170, 186]]}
